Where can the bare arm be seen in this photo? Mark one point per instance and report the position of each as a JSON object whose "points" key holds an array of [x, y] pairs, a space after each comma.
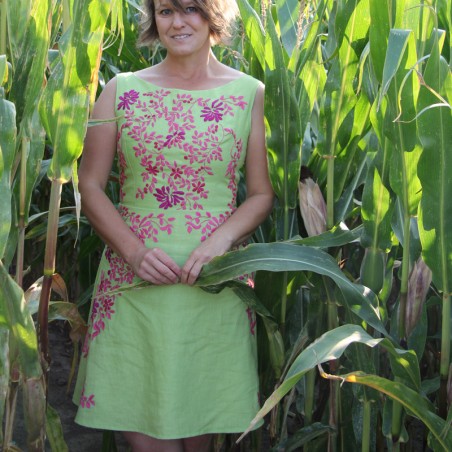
{"points": [[99, 151], [251, 213]]}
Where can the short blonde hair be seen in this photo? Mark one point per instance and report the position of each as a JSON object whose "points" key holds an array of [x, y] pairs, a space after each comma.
{"points": [[219, 14]]}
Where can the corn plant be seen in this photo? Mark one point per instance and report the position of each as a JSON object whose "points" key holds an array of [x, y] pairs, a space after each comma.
{"points": [[382, 76], [51, 81], [358, 109]]}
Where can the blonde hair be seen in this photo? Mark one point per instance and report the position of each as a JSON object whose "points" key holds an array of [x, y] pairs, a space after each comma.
{"points": [[219, 14]]}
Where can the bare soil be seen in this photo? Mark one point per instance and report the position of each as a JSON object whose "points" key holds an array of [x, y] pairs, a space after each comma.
{"points": [[78, 438]]}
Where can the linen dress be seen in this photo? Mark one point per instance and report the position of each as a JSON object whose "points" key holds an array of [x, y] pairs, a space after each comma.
{"points": [[172, 361]]}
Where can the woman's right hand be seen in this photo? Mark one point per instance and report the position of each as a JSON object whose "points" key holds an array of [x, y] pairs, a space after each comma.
{"points": [[155, 266]]}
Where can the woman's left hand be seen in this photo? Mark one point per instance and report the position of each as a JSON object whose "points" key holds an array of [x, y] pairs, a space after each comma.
{"points": [[201, 255]]}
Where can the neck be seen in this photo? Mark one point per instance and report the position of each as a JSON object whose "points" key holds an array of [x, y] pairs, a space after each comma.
{"points": [[190, 68]]}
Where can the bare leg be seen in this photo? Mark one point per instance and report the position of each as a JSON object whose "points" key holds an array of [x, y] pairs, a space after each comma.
{"points": [[197, 443], [145, 443]]}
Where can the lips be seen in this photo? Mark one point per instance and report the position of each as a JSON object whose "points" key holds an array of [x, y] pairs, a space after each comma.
{"points": [[181, 36]]}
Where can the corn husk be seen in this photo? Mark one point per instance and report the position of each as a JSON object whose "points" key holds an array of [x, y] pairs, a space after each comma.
{"points": [[418, 285], [312, 207]]}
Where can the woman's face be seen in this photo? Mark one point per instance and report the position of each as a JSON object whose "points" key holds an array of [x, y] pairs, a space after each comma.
{"points": [[182, 33]]}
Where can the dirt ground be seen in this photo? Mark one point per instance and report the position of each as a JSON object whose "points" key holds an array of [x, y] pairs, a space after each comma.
{"points": [[78, 438]]}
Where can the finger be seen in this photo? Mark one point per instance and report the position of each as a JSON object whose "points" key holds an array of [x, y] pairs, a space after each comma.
{"points": [[186, 269], [161, 274], [190, 272], [166, 261]]}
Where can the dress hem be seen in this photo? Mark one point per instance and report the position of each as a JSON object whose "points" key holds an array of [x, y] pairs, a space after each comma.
{"points": [[232, 430]]}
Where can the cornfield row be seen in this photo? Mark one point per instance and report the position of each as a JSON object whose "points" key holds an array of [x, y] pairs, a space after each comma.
{"points": [[354, 266]]}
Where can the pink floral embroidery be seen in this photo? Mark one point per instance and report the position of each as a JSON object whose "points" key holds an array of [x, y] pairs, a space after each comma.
{"points": [[207, 223], [87, 401], [214, 149], [252, 320], [129, 98], [149, 226], [103, 304], [214, 112], [167, 197]]}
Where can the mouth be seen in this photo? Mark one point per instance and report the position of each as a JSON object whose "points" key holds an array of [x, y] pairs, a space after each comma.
{"points": [[179, 37]]}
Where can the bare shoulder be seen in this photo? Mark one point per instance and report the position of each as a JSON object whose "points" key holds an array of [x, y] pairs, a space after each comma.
{"points": [[228, 74], [105, 104]]}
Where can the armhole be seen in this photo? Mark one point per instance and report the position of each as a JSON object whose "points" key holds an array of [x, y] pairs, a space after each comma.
{"points": [[119, 80], [252, 99]]}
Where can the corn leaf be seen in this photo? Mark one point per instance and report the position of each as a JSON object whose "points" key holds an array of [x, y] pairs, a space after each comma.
{"points": [[65, 104], [435, 211], [54, 431], [282, 115], [4, 370], [34, 397], [376, 211], [283, 256], [28, 76], [7, 151], [380, 25], [34, 136], [288, 12], [415, 403], [18, 14], [351, 26], [14, 313], [254, 30], [330, 345]]}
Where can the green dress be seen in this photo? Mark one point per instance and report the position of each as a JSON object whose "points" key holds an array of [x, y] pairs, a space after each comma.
{"points": [[172, 361]]}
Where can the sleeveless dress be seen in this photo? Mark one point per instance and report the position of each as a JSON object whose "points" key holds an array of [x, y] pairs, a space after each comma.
{"points": [[172, 361]]}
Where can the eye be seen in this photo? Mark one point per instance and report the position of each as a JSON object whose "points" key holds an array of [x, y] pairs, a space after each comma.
{"points": [[191, 10], [165, 12]]}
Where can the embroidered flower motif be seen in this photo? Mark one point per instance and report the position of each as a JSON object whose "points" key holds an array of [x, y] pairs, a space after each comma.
{"points": [[214, 112], [127, 99], [149, 226], [252, 320], [168, 198], [175, 138], [86, 401], [211, 152]]}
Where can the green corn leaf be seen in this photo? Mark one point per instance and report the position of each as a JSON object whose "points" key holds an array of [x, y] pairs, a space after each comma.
{"points": [[289, 257], [350, 136], [18, 14], [34, 396], [28, 76], [14, 313], [330, 345], [54, 431], [4, 73], [380, 25], [254, 30], [337, 236], [288, 12], [7, 152], [397, 43], [376, 212], [303, 436], [282, 114], [311, 81], [4, 370], [416, 404], [435, 211], [65, 103], [33, 134], [351, 26]]}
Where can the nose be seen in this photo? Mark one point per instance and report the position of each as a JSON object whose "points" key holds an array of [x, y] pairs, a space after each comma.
{"points": [[178, 19]]}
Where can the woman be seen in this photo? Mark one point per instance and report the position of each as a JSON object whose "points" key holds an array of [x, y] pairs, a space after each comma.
{"points": [[170, 365]]}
